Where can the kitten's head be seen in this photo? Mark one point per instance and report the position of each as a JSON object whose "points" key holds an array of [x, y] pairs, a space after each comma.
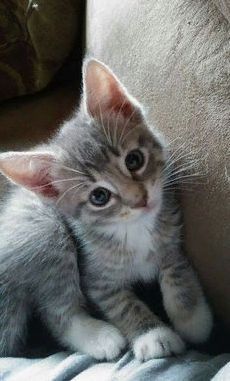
{"points": [[105, 164]]}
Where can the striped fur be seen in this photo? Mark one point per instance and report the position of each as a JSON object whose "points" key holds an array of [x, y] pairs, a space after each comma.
{"points": [[59, 252]]}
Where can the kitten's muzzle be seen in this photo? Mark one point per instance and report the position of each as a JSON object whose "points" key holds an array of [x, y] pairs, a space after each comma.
{"points": [[142, 203]]}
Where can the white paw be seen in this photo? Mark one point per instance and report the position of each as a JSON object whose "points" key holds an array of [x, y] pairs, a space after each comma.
{"points": [[107, 343], [198, 326], [94, 337], [159, 342]]}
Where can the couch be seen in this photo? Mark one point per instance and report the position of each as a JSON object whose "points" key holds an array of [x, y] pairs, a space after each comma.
{"points": [[174, 57]]}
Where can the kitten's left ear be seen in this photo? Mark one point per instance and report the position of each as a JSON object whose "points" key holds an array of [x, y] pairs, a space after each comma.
{"points": [[103, 93], [31, 170]]}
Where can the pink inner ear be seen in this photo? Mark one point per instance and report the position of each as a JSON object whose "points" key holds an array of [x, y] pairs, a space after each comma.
{"points": [[31, 170], [119, 103], [104, 92], [41, 184]]}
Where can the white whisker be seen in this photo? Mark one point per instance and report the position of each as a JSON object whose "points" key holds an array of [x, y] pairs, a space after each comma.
{"points": [[116, 124], [55, 182], [128, 133], [109, 129], [183, 180], [122, 137], [73, 170], [68, 190], [178, 170], [102, 124], [171, 162], [174, 152], [174, 140]]}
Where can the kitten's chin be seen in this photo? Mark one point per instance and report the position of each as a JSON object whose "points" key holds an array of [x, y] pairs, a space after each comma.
{"points": [[146, 212]]}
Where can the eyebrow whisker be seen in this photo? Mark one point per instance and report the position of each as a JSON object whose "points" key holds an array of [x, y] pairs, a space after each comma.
{"points": [[68, 190]]}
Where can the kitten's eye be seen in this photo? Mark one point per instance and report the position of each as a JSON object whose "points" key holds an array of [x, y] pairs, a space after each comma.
{"points": [[100, 196], [134, 160]]}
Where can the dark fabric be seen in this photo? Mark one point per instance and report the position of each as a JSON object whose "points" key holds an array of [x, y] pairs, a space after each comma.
{"points": [[36, 37]]}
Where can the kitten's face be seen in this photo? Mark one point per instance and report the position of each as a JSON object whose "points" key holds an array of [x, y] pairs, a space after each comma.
{"points": [[121, 162], [105, 165]]}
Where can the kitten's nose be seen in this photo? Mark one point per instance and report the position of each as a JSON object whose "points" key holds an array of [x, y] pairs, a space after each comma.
{"points": [[142, 203]]}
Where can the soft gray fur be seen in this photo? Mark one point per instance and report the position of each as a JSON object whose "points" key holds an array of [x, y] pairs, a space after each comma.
{"points": [[136, 237]]}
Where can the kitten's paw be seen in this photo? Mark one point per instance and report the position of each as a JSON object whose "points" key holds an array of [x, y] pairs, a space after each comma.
{"points": [[95, 337], [105, 344], [197, 327], [159, 342], [108, 343]]}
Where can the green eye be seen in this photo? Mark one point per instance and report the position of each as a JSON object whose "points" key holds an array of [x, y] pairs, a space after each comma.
{"points": [[100, 196], [134, 160]]}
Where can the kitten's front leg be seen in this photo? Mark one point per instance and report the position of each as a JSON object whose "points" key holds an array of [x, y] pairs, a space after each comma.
{"points": [[148, 336], [80, 331], [99, 339], [61, 305], [184, 300]]}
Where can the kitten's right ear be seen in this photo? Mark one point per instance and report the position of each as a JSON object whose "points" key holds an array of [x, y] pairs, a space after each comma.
{"points": [[32, 170], [103, 93]]}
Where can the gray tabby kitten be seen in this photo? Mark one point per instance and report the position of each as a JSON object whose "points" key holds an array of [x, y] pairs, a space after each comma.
{"points": [[101, 180]]}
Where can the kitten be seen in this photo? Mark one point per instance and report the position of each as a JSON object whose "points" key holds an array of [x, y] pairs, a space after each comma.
{"points": [[100, 181]]}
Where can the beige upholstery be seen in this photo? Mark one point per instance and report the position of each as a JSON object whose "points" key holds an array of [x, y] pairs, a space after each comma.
{"points": [[174, 56], [224, 7]]}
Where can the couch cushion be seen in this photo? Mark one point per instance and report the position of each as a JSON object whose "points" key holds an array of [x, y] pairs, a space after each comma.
{"points": [[35, 39], [174, 57]]}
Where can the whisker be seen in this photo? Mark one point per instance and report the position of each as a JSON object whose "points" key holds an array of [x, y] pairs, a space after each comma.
{"points": [[188, 176], [174, 140], [122, 137], [55, 182], [179, 148], [180, 156], [102, 124], [68, 190], [172, 161], [181, 184], [172, 190], [128, 133], [178, 170], [179, 179], [173, 167], [72, 170], [59, 165], [109, 129], [116, 123]]}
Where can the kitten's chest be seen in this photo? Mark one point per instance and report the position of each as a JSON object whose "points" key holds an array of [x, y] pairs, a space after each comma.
{"points": [[143, 269], [140, 254], [124, 267], [131, 255]]}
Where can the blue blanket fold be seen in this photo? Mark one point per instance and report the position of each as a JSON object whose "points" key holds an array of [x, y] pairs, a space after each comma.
{"points": [[63, 366]]}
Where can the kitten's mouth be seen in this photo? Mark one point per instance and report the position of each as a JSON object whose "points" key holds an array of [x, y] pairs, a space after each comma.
{"points": [[144, 205], [148, 208], [142, 210], [134, 214]]}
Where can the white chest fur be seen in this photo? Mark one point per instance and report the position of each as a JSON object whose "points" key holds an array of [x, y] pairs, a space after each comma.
{"points": [[138, 262], [137, 238]]}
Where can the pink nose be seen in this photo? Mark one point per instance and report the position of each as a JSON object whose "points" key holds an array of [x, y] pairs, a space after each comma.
{"points": [[141, 203]]}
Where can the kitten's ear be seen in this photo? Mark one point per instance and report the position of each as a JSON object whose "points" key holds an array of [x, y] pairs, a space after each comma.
{"points": [[32, 170], [103, 92]]}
